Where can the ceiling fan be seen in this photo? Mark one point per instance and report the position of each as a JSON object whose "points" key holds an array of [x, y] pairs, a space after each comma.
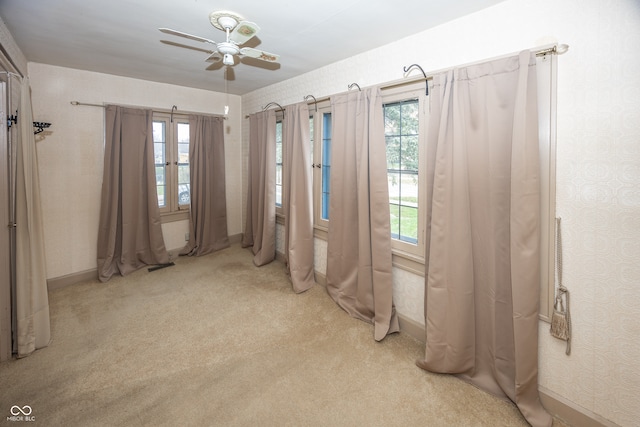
{"points": [[238, 32]]}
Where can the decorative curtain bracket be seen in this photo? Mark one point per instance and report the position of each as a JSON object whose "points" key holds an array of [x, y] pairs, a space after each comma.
{"points": [[356, 85], [174, 108], [12, 120], [40, 127], [406, 70], [315, 101], [270, 104]]}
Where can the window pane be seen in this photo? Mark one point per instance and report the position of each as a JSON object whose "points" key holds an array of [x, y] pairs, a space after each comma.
{"points": [[409, 189], [393, 152], [160, 181], [278, 185], [158, 152], [183, 132], [394, 187], [409, 115], [408, 224], [326, 163], [395, 220], [409, 153], [392, 119], [184, 193], [183, 153], [159, 132], [311, 134]]}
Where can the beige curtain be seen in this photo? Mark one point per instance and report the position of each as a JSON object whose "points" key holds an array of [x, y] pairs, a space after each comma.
{"points": [[297, 198], [482, 281], [208, 214], [130, 233], [260, 226], [32, 301], [359, 241]]}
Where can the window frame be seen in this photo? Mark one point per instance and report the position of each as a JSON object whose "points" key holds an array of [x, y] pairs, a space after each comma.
{"points": [[279, 206], [413, 252], [173, 210], [320, 224]]}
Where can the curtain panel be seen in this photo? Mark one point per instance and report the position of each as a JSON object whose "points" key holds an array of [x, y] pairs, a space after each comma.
{"points": [[260, 225], [32, 300], [482, 278], [297, 198], [208, 213], [359, 239], [130, 233]]}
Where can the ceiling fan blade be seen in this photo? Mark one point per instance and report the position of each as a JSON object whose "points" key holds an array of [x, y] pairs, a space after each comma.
{"points": [[259, 54], [214, 57], [186, 35], [186, 46], [243, 32]]}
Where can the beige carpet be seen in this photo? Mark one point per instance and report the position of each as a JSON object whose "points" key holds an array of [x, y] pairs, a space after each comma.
{"points": [[216, 341]]}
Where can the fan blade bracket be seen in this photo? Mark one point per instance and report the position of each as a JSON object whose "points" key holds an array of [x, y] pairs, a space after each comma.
{"points": [[244, 31], [259, 54]]}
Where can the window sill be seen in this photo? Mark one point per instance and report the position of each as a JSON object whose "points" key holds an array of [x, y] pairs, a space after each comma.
{"points": [[408, 262], [174, 216]]}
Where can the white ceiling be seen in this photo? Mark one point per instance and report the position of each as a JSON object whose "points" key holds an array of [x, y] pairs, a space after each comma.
{"points": [[121, 37]]}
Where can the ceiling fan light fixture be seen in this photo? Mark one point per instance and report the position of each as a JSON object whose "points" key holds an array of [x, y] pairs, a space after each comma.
{"points": [[228, 59]]}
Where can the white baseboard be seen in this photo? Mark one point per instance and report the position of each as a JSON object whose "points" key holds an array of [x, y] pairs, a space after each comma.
{"points": [[72, 279], [555, 404], [83, 276], [570, 412]]}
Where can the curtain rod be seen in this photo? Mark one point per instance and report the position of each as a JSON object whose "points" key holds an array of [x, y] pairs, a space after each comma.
{"points": [[173, 109], [557, 49], [266, 107], [9, 73]]}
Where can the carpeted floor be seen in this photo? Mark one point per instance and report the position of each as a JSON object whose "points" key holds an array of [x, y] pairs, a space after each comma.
{"points": [[215, 341]]}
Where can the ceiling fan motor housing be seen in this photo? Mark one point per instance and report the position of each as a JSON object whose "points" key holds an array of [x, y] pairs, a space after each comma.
{"points": [[227, 22]]}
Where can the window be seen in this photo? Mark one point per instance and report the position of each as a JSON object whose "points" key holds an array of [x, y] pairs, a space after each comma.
{"points": [[171, 154], [320, 127], [405, 122], [401, 123], [326, 165], [279, 164]]}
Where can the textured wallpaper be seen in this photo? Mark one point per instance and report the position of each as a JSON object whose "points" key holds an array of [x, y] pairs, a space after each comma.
{"points": [[71, 157], [598, 174]]}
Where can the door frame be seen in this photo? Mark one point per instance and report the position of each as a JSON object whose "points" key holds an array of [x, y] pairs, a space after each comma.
{"points": [[5, 232]]}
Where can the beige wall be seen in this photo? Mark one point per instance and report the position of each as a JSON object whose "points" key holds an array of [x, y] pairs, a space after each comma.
{"points": [[71, 155], [598, 183]]}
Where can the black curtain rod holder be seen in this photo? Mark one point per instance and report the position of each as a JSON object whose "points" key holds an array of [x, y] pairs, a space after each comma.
{"points": [[406, 70], [356, 85], [40, 126]]}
